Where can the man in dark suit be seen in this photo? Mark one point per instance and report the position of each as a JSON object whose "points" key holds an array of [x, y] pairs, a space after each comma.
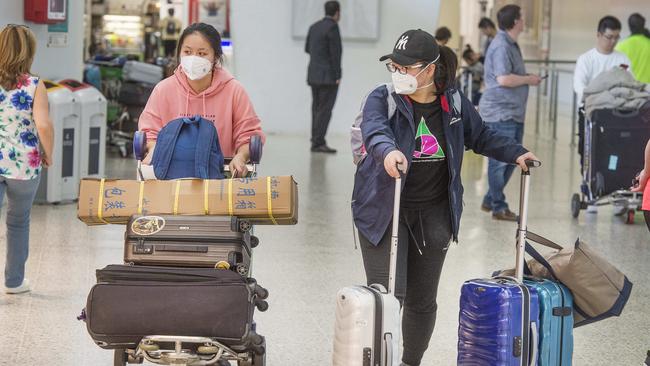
{"points": [[324, 73]]}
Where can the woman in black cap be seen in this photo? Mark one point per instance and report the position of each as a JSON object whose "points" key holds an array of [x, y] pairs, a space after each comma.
{"points": [[423, 138]]}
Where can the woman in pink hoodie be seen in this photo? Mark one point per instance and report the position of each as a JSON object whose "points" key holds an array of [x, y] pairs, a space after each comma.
{"points": [[200, 86]]}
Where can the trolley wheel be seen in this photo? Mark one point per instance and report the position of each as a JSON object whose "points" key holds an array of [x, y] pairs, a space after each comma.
{"points": [[255, 359], [576, 204], [120, 357], [630, 217], [207, 350], [259, 360], [149, 347]]}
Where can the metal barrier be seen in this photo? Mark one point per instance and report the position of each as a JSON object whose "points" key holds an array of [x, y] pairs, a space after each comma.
{"points": [[553, 72], [549, 88]]}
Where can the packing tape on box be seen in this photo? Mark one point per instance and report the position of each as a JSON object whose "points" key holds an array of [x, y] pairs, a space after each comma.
{"points": [[230, 210], [206, 206], [176, 195], [100, 202], [141, 197], [268, 198]]}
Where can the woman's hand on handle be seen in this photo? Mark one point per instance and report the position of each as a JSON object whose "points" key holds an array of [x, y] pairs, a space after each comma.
{"points": [[150, 147], [395, 162], [238, 168], [521, 161]]}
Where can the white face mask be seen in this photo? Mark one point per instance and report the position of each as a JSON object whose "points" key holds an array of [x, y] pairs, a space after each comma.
{"points": [[407, 84], [195, 67]]}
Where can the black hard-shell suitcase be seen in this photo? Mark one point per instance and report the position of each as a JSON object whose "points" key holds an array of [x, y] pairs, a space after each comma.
{"points": [[135, 93], [614, 144], [131, 302], [189, 241]]}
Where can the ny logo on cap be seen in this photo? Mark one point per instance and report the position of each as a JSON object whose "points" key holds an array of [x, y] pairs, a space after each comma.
{"points": [[401, 44]]}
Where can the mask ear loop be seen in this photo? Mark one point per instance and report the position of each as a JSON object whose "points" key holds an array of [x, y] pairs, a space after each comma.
{"points": [[434, 74]]}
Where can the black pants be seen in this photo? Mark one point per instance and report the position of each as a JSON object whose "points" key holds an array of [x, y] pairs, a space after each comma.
{"points": [[416, 282], [323, 98], [170, 47], [646, 214]]}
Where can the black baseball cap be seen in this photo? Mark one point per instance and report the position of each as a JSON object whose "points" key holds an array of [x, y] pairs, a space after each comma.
{"points": [[412, 46]]}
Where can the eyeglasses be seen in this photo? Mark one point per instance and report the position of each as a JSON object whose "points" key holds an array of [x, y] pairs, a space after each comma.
{"points": [[391, 67], [611, 37]]}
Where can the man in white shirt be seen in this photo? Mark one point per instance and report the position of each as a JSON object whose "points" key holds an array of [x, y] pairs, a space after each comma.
{"points": [[590, 64], [602, 57]]}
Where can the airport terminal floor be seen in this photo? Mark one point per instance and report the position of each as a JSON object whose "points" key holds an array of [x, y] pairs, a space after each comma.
{"points": [[303, 266]]}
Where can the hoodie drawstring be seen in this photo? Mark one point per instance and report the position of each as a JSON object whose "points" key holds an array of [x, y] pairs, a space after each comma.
{"points": [[204, 114], [187, 103]]}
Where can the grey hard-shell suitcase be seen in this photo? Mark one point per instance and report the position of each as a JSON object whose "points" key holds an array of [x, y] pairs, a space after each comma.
{"points": [[142, 72], [189, 241]]}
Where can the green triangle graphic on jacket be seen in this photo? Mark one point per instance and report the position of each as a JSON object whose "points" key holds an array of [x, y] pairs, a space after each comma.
{"points": [[429, 146]]}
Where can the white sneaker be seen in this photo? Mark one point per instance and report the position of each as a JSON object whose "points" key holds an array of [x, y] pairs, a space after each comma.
{"points": [[593, 209], [24, 287]]}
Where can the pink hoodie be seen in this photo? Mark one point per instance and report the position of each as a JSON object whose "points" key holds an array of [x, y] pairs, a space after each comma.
{"points": [[225, 103]]}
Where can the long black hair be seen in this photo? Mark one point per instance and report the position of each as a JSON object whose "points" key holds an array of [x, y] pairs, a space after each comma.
{"points": [[209, 33], [446, 66]]}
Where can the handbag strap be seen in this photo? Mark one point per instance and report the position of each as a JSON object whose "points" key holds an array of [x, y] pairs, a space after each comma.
{"points": [[540, 259], [542, 240]]}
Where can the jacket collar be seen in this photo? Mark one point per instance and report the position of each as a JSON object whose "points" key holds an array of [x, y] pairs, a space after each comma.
{"points": [[450, 102]]}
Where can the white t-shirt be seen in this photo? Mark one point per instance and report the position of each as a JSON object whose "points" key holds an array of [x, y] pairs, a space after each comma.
{"points": [[592, 63]]}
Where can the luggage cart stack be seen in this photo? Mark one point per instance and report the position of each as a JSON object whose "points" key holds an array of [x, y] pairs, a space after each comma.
{"points": [[614, 142], [185, 295]]}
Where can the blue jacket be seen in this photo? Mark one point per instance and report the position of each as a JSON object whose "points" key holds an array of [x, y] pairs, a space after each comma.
{"points": [[188, 148], [373, 194]]}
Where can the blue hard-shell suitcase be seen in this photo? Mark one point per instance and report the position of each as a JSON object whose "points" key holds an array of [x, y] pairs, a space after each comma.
{"points": [[498, 323], [499, 317], [555, 322]]}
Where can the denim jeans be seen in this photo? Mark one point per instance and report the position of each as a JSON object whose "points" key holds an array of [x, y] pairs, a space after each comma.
{"points": [[20, 196], [499, 172]]}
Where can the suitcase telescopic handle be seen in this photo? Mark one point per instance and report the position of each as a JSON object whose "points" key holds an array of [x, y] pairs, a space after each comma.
{"points": [[392, 270], [523, 217]]}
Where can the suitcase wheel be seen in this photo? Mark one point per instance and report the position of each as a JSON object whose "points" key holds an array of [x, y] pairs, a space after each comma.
{"points": [[255, 241], [576, 204], [207, 350], [244, 226], [242, 269], [262, 305]]}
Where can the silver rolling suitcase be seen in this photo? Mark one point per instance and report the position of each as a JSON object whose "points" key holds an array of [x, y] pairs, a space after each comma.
{"points": [[142, 72], [368, 320]]}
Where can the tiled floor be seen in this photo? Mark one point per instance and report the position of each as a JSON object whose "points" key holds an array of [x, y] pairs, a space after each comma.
{"points": [[304, 265]]}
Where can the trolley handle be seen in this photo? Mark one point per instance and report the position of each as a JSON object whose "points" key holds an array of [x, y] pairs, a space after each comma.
{"points": [[533, 163], [139, 145], [255, 147]]}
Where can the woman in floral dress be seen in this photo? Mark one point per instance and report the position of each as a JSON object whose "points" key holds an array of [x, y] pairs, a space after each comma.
{"points": [[24, 123]]}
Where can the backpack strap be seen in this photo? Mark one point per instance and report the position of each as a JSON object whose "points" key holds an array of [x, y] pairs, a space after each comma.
{"points": [[207, 134], [165, 143]]}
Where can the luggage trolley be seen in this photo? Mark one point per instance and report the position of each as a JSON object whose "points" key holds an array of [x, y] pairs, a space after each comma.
{"points": [[614, 141], [193, 350]]}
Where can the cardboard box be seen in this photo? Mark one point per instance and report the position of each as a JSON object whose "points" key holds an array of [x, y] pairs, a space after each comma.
{"points": [[113, 201]]}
